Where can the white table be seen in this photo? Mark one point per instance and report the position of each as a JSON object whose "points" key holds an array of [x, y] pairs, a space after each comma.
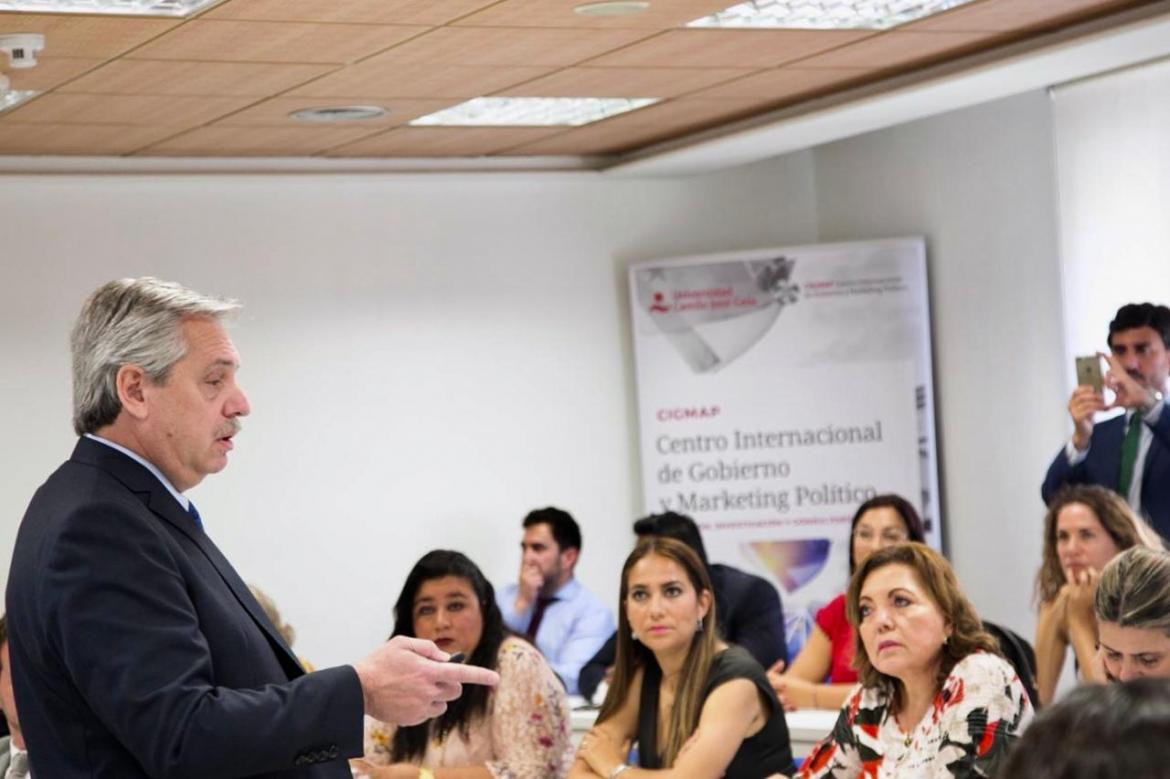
{"points": [[805, 727]]}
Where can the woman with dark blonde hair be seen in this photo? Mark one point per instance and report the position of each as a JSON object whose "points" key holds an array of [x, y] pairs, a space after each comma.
{"points": [[935, 699], [1133, 615], [699, 709], [1086, 526]]}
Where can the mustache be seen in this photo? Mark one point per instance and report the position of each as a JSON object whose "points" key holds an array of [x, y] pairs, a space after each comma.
{"points": [[232, 428]]}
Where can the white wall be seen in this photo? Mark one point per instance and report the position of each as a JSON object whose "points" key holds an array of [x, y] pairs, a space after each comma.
{"points": [[1113, 168], [427, 357], [979, 184]]}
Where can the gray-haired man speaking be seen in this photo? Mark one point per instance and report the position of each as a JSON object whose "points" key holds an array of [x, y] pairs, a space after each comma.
{"points": [[136, 649]]}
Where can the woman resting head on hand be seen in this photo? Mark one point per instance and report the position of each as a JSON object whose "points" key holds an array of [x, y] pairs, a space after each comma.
{"points": [[1133, 615], [517, 730], [828, 654], [698, 708], [1086, 526], [935, 699]]}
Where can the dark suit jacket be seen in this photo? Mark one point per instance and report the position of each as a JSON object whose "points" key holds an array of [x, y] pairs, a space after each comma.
{"points": [[137, 651], [1103, 462], [747, 612]]}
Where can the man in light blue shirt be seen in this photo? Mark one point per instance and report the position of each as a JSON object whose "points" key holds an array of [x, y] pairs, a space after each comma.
{"points": [[567, 623]]}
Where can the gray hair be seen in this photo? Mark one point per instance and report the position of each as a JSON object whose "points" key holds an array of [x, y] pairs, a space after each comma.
{"points": [[1134, 590], [130, 321]]}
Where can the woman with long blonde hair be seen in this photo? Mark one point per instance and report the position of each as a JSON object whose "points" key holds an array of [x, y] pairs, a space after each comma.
{"points": [[698, 708]]}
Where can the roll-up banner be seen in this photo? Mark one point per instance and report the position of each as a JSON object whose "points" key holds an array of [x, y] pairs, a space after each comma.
{"points": [[777, 390]]}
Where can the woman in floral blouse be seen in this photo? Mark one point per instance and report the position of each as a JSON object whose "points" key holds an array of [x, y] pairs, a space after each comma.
{"points": [[519, 730], [936, 700]]}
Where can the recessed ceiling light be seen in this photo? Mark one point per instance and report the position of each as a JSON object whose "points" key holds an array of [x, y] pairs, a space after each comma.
{"points": [[341, 113], [824, 14], [120, 7], [611, 8], [533, 111]]}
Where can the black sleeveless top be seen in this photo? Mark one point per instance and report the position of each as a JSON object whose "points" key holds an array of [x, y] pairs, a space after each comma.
{"points": [[766, 753]]}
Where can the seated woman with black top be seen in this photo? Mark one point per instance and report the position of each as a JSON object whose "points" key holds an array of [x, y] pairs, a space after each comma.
{"points": [[697, 707]]}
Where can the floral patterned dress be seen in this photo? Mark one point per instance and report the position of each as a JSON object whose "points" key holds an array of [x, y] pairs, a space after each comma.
{"points": [[975, 718], [523, 735]]}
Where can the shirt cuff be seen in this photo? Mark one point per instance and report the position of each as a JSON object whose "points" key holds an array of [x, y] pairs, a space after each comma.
{"points": [[1074, 455]]}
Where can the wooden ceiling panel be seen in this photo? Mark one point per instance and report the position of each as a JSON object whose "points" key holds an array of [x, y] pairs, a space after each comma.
{"points": [[893, 49], [559, 13], [784, 83], [507, 46], [727, 48], [275, 112], [374, 78], [146, 110], [431, 13], [443, 141], [624, 82], [219, 141], [51, 72], [640, 127], [76, 139], [73, 35], [207, 40], [686, 113], [225, 79], [1007, 15], [598, 139]]}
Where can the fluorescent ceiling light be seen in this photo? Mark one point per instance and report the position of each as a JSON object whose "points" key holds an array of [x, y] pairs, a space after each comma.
{"points": [[11, 98], [825, 14], [532, 111], [178, 8]]}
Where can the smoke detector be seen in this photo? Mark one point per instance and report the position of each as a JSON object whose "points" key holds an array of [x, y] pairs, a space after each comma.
{"points": [[22, 48]]}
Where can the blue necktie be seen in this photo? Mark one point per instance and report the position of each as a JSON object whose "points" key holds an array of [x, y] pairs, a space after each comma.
{"points": [[194, 512]]}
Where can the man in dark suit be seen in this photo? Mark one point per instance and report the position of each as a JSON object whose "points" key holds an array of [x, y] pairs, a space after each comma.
{"points": [[1129, 453], [137, 650], [747, 607]]}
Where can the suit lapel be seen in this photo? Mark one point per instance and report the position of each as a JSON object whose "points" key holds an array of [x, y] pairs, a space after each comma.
{"points": [[162, 504]]}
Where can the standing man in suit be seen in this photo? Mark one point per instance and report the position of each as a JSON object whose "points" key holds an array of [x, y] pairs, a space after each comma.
{"points": [[1129, 453], [136, 649]]}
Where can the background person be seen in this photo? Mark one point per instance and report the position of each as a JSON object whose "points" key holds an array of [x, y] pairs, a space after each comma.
{"points": [[1130, 453], [748, 611], [698, 708], [822, 675], [1115, 731], [1085, 527], [936, 699], [548, 605], [287, 632], [519, 730], [1133, 615], [13, 754]]}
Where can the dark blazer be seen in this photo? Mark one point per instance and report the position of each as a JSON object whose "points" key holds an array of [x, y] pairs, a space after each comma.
{"points": [[1103, 462], [747, 613], [137, 650]]}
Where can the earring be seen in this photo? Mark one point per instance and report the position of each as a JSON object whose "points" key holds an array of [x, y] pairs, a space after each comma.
{"points": [[699, 626], [633, 635]]}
